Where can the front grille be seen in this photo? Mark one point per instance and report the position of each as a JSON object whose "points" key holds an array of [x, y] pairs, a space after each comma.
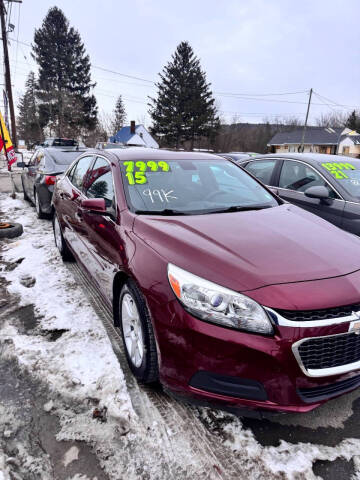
{"points": [[329, 352], [315, 394], [323, 314]]}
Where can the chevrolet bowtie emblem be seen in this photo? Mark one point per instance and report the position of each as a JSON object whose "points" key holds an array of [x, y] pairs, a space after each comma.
{"points": [[354, 327], [356, 315]]}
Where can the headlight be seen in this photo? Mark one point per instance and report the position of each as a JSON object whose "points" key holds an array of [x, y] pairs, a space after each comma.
{"points": [[217, 304]]}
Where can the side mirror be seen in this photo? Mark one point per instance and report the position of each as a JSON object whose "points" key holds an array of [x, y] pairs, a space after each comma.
{"points": [[320, 192], [21, 164], [94, 205]]}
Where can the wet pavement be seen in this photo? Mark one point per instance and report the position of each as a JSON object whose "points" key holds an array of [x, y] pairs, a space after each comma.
{"points": [[27, 430]]}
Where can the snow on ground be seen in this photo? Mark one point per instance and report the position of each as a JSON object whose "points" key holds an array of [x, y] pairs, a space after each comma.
{"points": [[10, 426], [80, 368], [81, 363], [294, 461]]}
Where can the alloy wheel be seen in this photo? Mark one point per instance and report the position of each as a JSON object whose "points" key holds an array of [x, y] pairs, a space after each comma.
{"points": [[57, 234], [133, 334]]}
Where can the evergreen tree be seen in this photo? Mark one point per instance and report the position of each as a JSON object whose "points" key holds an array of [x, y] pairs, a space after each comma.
{"points": [[29, 126], [353, 122], [64, 87], [119, 116], [184, 109]]}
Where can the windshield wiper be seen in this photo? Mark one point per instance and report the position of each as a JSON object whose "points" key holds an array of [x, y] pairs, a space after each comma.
{"points": [[239, 208], [166, 211]]}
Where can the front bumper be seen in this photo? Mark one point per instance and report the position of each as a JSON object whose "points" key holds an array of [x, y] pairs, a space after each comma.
{"points": [[188, 346]]}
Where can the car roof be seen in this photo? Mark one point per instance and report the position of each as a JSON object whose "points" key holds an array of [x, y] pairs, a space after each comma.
{"points": [[312, 158], [62, 156], [139, 153]]}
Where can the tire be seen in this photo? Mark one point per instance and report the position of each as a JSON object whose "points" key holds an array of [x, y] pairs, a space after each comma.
{"points": [[26, 198], [138, 331], [60, 241], [10, 230], [40, 214]]}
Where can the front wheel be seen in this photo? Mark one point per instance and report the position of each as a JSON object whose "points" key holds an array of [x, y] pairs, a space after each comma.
{"points": [[137, 334], [60, 241]]}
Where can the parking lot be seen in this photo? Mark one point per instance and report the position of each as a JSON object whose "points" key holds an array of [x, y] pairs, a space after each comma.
{"points": [[55, 328]]}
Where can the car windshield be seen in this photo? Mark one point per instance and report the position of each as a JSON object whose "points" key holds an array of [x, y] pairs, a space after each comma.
{"points": [[186, 187], [346, 174]]}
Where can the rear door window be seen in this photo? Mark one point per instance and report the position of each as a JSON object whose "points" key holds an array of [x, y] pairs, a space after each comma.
{"points": [[262, 170], [78, 173]]}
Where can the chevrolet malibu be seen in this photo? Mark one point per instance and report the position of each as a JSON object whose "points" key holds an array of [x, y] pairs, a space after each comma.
{"points": [[221, 290]]}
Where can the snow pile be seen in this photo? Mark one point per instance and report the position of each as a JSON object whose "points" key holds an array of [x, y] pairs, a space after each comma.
{"points": [[77, 363]]}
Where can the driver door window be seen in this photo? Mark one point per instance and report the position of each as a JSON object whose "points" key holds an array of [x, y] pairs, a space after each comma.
{"points": [[299, 177], [99, 183], [295, 178]]}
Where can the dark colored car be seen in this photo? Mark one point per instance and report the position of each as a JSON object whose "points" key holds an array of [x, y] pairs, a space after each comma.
{"points": [[38, 176], [222, 291], [326, 185], [62, 142]]}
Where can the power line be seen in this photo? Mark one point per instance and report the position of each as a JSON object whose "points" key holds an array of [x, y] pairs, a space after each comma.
{"points": [[239, 96], [122, 74], [260, 94], [325, 104]]}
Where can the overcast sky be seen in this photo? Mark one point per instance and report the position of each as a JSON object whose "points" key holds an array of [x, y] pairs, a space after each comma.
{"points": [[252, 48]]}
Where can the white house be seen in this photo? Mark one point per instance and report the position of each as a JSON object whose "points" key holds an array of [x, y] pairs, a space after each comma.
{"points": [[341, 141], [350, 144]]}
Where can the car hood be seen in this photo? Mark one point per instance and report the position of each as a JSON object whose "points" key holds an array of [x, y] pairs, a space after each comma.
{"points": [[252, 249]]}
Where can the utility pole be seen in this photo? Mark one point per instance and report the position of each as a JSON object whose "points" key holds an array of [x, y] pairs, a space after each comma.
{"points": [[306, 120], [7, 71]]}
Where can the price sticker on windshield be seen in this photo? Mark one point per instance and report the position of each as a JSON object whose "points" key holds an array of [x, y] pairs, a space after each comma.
{"points": [[337, 169], [136, 171]]}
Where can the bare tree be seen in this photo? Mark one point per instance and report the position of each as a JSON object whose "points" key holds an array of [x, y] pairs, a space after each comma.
{"points": [[335, 119], [106, 121], [141, 120]]}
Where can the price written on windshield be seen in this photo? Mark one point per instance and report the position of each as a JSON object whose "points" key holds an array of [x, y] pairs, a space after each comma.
{"points": [[136, 171], [336, 169]]}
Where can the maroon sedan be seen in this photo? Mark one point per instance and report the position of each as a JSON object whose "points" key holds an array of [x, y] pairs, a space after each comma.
{"points": [[221, 290]]}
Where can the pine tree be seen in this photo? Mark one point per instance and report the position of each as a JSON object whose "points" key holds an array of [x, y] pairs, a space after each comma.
{"points": [[64, 87], [29, 126], [119, 116], [184, 109], [353, 122]]}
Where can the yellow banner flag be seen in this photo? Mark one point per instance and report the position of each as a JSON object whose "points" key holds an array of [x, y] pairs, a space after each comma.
{"points": [[6, 143]]}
